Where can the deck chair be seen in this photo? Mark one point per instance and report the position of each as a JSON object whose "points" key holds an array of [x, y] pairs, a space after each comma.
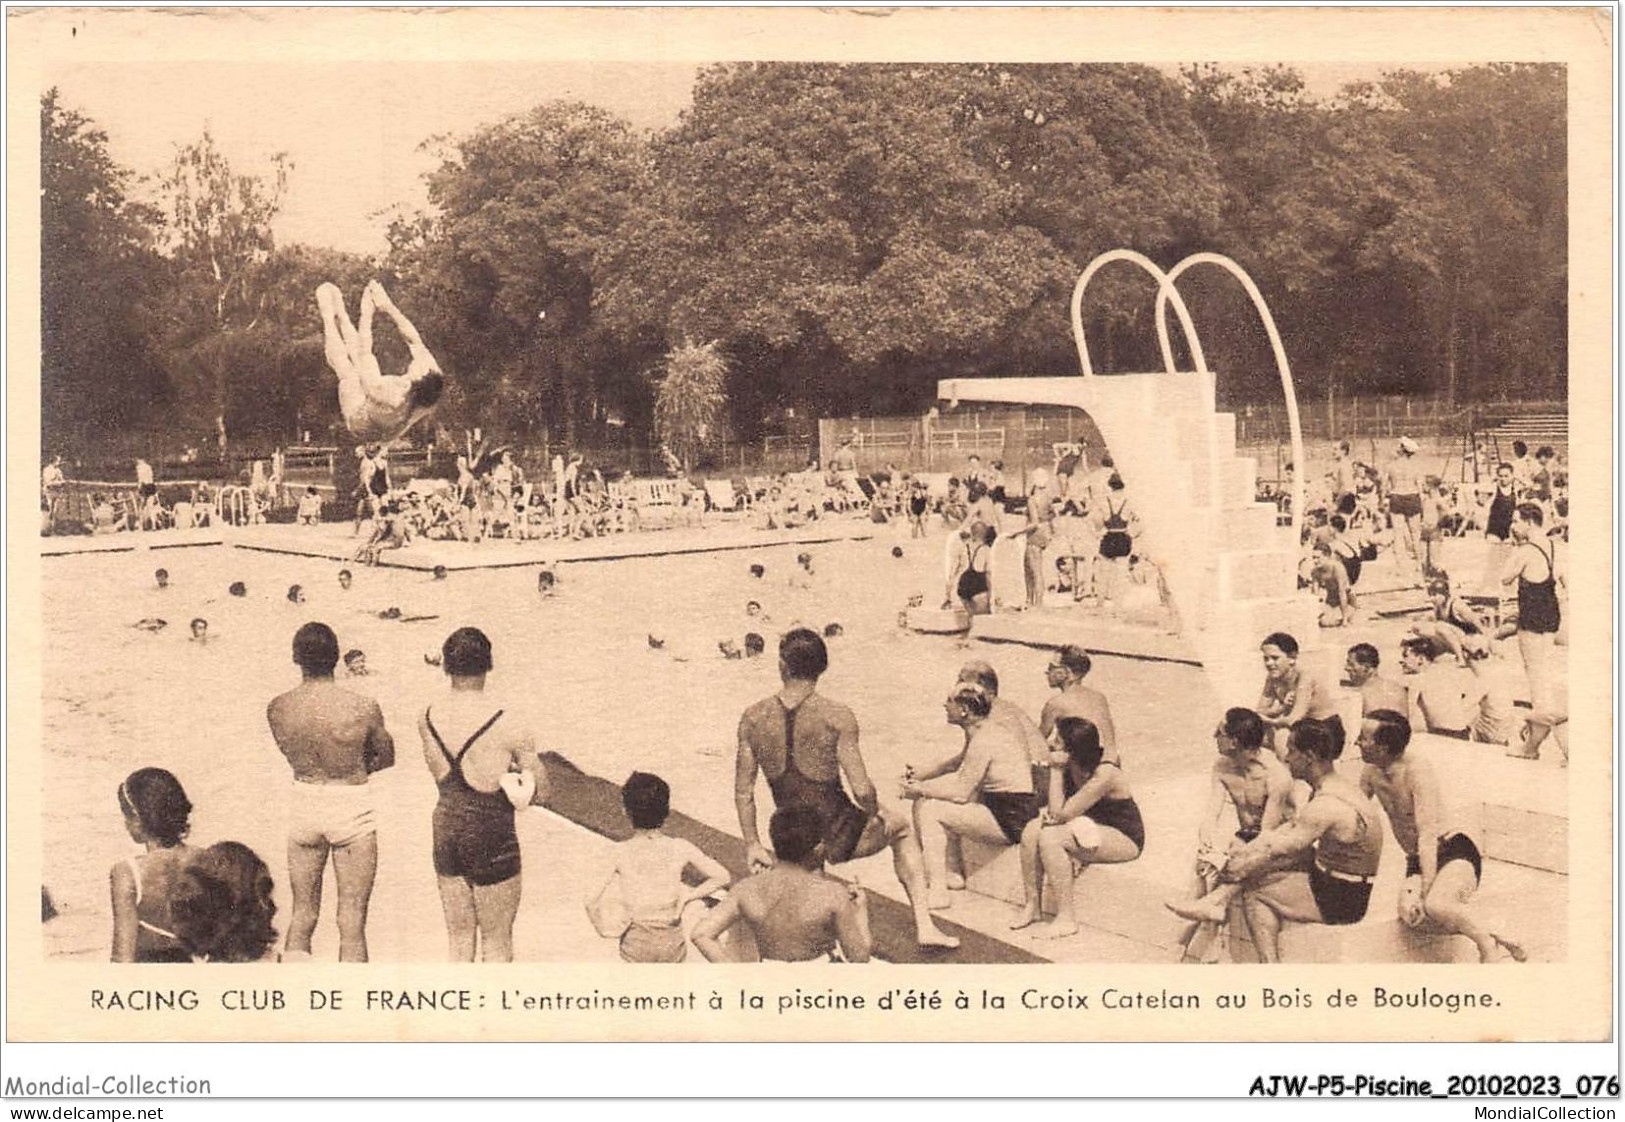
{"points": [[720, 493]]}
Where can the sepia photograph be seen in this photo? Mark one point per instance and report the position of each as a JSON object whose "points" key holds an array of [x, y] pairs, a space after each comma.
{"points": [[566, 490]]}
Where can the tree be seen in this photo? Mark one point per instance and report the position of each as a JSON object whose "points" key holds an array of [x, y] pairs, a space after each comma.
{"points": [[862, 230], [690, 399], [1493, 140], [218, 238], [504, 266], [98, 275]]}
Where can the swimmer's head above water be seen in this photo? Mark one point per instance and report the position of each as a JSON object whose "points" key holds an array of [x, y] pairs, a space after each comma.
{"points": [[439, 572], [355, 662], [345, 577], [200, 629], [238, 588], [162, 577], [296, 594], [754, 645], [758, 571]]}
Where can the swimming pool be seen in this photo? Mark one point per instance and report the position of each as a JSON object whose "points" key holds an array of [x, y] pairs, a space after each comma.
{"points": [[580, 663]]}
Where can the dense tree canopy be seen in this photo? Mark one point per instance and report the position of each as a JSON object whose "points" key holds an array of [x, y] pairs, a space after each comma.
{"points": [[847, 234], [97, 266]]}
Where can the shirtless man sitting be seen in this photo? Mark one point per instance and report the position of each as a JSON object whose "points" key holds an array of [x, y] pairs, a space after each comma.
{"points": [[1008, 713], [805, 744], [376, 407], [333, 739], [1337, 829], [1441, 876], [795, 911], [1257, 785], [1292, 692]]}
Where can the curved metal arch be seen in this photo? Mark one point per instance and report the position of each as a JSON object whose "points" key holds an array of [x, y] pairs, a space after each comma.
{"points": [[1166, 292], [1281, 365]]}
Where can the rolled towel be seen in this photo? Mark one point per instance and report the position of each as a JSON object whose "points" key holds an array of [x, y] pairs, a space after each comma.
{"points": [[519, 786]]}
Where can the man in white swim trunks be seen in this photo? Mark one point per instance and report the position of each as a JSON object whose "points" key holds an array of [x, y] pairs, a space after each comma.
{"points": [[376, 407], [1403, 485], [333, 739]]}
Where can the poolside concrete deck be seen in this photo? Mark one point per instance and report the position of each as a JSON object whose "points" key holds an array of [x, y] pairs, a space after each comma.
{"points": [[336, 542]]}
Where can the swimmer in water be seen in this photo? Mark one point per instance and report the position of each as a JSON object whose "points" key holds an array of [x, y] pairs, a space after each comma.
{"points": [[162, 577], [200, 630], [238, 588], [439, 572], [355, 663], [376, 407], [151, 623], [296, 594], [545, 582], [345, 577], [754, 645], [758, 571], [833, 630]]}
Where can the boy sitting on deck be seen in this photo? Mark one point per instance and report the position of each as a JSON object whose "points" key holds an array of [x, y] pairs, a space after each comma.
{"points": [[648, 878]]}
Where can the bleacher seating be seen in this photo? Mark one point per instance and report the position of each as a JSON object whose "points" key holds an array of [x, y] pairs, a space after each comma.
{"points": [[1534, 429]]}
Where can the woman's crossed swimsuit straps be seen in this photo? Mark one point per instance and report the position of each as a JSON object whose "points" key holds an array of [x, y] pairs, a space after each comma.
{"points": [[973, 581], [474, 835]]}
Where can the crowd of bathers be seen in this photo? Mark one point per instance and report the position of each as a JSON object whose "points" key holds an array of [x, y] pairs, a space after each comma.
{"points": [[1355, 513], [1056, 789]]}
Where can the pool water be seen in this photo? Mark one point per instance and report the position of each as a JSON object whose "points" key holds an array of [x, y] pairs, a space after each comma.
{"points": [[579, 664]]}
